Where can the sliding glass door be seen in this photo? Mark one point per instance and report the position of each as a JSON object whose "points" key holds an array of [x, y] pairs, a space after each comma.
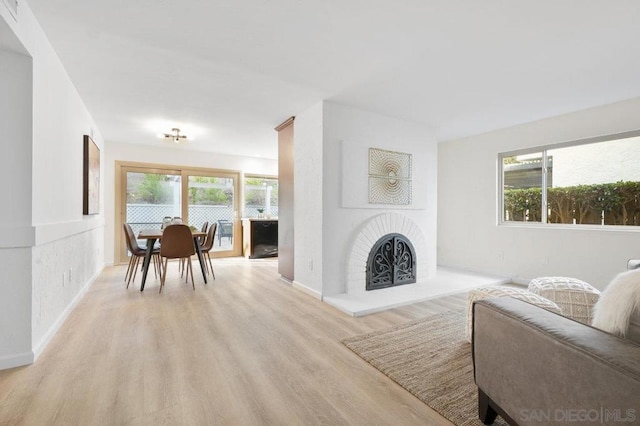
{"points": [[212, 198], [149, 193], [151, 196]]}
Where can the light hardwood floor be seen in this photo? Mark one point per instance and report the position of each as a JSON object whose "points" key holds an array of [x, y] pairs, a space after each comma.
{"points": [[245, 349]]}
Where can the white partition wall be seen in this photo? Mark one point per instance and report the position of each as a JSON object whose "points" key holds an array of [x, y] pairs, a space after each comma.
{"points": [[331, 146], [51, 253], [16, 233]]}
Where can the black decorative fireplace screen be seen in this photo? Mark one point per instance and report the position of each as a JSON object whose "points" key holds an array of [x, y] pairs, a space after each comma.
{"points": [[391, 262]]}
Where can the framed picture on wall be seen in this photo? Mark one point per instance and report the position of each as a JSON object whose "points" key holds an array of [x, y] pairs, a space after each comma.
{"points": [[389, 177], [91, 177]]}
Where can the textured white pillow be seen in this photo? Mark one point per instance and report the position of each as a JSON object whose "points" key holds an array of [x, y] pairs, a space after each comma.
{"points": [[575, 297], [504, 291], [618, 303]]}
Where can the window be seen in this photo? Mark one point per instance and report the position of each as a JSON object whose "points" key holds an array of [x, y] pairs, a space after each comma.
{"points": [[260, 196], [594, 182]]}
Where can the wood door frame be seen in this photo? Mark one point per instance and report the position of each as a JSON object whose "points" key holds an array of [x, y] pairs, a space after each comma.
{"points": [[122, 167]]}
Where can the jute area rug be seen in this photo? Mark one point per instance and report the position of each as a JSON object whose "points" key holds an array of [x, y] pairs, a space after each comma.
{"points": [[431, 359]]}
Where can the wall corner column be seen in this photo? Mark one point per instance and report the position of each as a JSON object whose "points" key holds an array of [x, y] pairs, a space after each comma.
{"points": [[285, 199]]}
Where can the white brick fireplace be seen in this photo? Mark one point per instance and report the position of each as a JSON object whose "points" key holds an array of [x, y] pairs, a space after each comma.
{"points": [[336, 225], [374, 229], [431, 282]]}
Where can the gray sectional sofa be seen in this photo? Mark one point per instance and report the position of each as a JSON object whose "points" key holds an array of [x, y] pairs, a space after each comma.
{"points": [[535, 367]]}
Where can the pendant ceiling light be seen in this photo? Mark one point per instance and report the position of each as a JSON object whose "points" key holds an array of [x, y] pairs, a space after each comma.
{"points": [[175, 135]]}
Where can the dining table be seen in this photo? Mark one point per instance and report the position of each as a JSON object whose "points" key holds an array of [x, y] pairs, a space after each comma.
{"points": [[154, 235]]}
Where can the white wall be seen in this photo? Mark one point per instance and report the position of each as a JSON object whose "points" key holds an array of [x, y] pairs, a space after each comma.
{"points": [[169, 155], [468, 234], [339, 224], [307, 198], [597, 163], [47, 171], [16, 117], [62, 271], [16, 233]]}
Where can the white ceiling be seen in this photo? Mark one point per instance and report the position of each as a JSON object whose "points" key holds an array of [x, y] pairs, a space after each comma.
{"points": [[227, 72]]}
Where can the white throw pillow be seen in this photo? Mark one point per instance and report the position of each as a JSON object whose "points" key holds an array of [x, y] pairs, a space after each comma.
{"points": [[618, 303]]}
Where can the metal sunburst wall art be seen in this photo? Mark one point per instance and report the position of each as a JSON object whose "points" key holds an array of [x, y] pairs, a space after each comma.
{"points": [[389, 177]]}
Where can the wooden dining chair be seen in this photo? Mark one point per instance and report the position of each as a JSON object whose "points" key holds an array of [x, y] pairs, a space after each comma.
{"points": [[137, 253], [207, 246], [177, 243], [201, 241], [205, 228]]}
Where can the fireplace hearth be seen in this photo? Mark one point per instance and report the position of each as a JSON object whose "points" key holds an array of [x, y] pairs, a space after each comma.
{"points": [[391, 262]]}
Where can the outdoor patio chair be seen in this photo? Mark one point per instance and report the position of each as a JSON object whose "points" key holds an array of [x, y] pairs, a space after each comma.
{"points": [[225, 230]]}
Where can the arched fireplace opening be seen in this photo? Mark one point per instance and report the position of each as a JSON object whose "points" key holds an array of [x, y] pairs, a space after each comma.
{"points": [[391, 262]]}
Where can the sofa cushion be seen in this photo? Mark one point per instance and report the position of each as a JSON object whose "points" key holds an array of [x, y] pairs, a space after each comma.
{"points": [[504, 291], [575, 297]]}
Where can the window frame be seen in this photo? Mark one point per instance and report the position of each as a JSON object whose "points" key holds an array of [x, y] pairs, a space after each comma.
{"points": [[544, 206]]}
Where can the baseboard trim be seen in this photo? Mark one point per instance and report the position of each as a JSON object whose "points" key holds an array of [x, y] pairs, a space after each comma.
{"points": [[17, 360], [53, 330], [311, 292]]}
